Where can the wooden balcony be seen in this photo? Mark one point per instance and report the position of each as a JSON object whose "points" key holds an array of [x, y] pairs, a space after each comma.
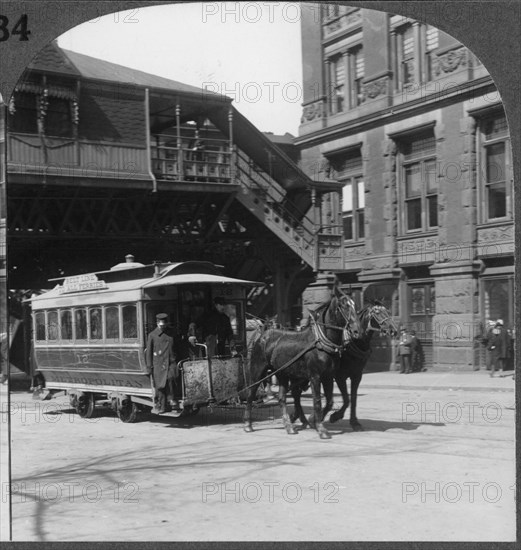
{"points": [[29, 155]]}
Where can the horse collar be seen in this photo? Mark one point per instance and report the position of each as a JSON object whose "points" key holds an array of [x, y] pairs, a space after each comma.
{"points": [[323, 342]]}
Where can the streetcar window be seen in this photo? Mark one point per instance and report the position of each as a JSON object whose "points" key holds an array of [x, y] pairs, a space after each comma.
{"points": [[66, 324], [52, 325], [129, 322], [95, 327], [40, 326], [80, 317], [112, 323]]}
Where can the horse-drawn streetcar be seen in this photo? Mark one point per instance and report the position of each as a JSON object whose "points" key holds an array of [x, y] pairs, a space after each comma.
{"points": [[90, 334]]}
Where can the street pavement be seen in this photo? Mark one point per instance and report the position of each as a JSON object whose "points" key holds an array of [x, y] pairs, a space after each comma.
{"points": [[435, 462], [446, 380]]}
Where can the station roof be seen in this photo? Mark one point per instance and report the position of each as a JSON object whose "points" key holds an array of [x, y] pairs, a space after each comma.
{"points": [[216, 107], [54, 59]]}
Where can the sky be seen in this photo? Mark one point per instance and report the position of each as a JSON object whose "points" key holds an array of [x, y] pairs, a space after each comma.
{"points": [[248, 51]]}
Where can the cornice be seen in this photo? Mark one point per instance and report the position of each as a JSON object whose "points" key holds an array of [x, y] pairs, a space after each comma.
{"points": [[397, 112]]}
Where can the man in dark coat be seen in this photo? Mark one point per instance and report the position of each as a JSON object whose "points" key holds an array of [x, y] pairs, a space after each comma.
{"points": [[160, 363], [499, 345], [416, 353], [217, 330], [404, 351], [487, 338]]}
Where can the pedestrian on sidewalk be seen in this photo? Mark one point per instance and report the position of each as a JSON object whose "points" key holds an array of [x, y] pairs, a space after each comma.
{"points": [[404, 351], [416, 353], [499, 345], [487, 338]]}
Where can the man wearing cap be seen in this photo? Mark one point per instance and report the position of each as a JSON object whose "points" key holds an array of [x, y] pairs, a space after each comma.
{"points": [[160, 362], [489, 336], [404, 351], [499, 345], [217, 330]]}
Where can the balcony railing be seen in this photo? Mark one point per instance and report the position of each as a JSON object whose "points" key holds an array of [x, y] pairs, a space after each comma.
{"points": [[194, 159], [171, 163], [71, 157]]}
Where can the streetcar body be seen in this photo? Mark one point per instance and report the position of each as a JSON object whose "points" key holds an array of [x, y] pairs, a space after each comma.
{"points": [[90, 333]]}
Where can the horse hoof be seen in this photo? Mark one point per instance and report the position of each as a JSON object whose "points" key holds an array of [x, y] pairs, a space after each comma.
{"points": [[291, 430], [248, 429], [335, 417], [324, 435], [357, 427]]}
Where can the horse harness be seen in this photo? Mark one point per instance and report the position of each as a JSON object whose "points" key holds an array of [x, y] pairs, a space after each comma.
{"points": [[321, 342]]}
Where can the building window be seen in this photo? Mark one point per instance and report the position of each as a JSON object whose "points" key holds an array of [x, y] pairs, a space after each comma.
{"points": [[431, 41], [346, 72], [414, 52], [338, 82], [495, 169], [419, 182], [357, 69], [347, 168], [423, 300], [353, 203], [405, 55]]}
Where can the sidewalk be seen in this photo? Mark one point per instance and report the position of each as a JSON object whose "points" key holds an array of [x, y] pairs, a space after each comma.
{"points": [[467, 381]]}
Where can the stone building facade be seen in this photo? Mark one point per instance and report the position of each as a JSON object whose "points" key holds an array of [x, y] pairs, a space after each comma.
{"points": [[411, 123]]}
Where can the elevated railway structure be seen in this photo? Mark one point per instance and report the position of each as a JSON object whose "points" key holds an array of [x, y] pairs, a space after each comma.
{"points": [[103, 160]]}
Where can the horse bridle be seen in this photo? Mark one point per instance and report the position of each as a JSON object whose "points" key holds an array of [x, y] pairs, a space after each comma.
{"points": [[346, 333], [382, 318]]}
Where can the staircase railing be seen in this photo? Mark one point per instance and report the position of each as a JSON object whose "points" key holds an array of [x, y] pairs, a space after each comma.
{"points": [[272, 197]]}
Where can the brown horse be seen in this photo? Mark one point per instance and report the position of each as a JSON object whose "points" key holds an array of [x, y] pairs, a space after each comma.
{"points": [[306, 356], [374, 317]]}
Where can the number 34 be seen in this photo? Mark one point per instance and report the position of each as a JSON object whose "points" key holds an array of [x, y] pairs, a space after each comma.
{"points": [[20, 28]]}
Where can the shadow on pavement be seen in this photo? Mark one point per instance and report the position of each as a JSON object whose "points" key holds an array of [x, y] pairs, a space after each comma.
{"points": [[343, 426]]}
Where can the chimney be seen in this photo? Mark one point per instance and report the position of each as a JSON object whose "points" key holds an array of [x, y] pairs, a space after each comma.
{"points": [[129, 258]]}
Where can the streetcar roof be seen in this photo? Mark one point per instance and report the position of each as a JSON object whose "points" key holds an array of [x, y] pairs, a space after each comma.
{"points": [[126, 291]]}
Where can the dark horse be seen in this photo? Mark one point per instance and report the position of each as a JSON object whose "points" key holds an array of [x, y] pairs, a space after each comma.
{"points": [[374, 317], [308, 355]]}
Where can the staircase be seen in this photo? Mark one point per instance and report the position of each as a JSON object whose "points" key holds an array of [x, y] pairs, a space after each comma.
{"points": [[264, 198]]}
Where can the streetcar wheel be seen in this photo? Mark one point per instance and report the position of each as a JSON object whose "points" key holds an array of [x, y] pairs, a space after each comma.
{"points": [[85, 405], [128, 411]]}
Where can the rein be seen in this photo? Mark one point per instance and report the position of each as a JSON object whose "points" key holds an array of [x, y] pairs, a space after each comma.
{"points": [[272, 373], [321, 342]]}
